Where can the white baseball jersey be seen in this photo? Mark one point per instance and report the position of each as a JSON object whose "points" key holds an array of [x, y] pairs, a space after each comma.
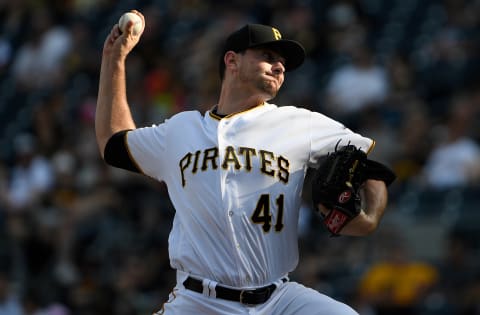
{"points": [[236, 185]]}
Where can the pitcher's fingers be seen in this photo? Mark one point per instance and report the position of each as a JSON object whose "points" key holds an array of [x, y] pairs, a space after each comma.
{"points": [[130, 24], [141, 16], [115, 33]]}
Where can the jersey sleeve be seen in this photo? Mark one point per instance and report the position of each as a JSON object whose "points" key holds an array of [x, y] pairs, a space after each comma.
{"points": [[326, 133], [146, 147]]}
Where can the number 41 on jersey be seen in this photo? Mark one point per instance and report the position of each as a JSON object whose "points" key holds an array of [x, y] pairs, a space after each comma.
{"points": [[262, 214]]}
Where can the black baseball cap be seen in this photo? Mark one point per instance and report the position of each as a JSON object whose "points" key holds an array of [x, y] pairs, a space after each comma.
{"points": [[258, 35]]}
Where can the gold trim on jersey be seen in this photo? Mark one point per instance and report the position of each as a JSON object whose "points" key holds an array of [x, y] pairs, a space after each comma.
{"points": [[214, 116], [370, 149], [171, 298], [218, 117]]}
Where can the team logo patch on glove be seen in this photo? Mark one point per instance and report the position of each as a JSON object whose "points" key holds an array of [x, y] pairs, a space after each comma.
{"points": [[345, 196]]}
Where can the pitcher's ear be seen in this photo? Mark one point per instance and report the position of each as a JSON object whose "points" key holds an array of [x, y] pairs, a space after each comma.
{"points": [[231, 60]]}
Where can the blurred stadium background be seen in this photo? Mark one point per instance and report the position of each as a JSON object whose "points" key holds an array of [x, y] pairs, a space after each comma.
{"points": [[78, 237]]}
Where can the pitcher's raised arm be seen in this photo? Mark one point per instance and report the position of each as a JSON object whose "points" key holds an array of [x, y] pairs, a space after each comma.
{"points": [[112, 112]]}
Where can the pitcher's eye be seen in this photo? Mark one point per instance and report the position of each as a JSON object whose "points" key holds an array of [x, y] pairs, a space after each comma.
{"points": [[272, 58], [267, 55]]}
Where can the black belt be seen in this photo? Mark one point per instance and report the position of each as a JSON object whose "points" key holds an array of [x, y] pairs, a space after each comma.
{"points": [[248, 297]]}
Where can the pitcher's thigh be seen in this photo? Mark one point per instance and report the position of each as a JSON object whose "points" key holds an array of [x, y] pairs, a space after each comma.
{"points": [[296, 299]]}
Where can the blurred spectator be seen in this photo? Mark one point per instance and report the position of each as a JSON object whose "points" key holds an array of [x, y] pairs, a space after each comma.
{"points": [[3, 191], [414, 140], [39, 60], [448, 60], [33, 304], [472, 297], [402, 81], [344, 27], [455, 158], [48, 122], [31, 174], [5, 54], [10, 303], [360, 84], [456, 292], [397, 284]]}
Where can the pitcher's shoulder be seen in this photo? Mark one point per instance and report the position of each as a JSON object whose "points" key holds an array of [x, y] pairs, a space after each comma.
{"points": [[192, 114], [185, 116], [291, 110]]}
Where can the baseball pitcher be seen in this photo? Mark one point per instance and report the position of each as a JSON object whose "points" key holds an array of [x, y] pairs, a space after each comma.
{"points": [[235, 176]]}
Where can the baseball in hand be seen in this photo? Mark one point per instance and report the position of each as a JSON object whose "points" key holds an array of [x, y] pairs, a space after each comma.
{"points": [[127, 17]]}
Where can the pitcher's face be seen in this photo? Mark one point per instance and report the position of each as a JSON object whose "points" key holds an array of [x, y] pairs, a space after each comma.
{"points": [[262, 69]]}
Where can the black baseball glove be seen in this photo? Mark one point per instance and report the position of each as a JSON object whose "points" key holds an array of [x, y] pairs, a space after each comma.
{"points": [[336, 184]]}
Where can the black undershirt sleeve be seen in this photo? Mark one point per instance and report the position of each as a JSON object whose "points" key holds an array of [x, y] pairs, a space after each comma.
{"points": [[379, 171], [116, 152]]}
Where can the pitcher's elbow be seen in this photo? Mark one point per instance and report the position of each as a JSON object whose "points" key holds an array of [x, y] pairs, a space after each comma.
{"points": [[102, 143], [370, 227]]}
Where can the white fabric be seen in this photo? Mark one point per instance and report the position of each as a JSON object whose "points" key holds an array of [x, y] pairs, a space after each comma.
{"points": [[218, 172]]}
